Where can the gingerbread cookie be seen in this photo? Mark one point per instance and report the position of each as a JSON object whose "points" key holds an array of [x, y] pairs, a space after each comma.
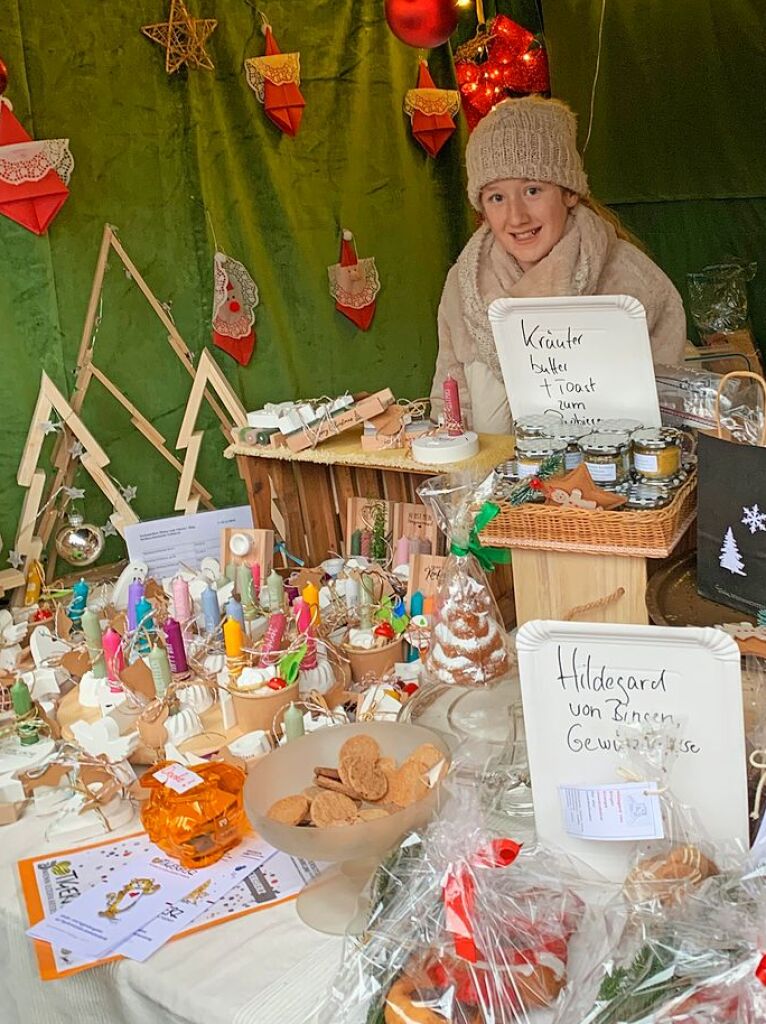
{"points": [[323, 782], [333, 809], [406, 785], [372, 813], [290, 810], [363, 777], [360, 746], [426, 756]]}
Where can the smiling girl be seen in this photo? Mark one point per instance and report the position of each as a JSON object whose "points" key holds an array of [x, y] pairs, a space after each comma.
{"points": [[541, 234]]}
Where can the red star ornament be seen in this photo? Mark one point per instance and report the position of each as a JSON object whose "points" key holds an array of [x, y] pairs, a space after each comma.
{"points": [[431, 111], [234, 301], [275, 79], [354, 284], [33, 175]]}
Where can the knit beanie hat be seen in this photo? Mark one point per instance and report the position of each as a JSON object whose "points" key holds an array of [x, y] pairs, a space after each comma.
{"points": [[531, 137]]}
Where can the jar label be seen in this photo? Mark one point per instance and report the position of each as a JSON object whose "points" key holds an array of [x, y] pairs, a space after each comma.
{"points": [[527, 469], [600, 471], [572, 460], [645, 463]]}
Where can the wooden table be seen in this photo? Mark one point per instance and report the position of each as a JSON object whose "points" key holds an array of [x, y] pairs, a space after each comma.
{"points": [[304, 494]]}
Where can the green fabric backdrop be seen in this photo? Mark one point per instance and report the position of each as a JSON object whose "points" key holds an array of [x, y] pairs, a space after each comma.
{"points": [[677, 146]]}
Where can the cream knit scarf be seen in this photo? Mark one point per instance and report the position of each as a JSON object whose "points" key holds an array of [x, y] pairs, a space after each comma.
{"points": [[486, 272]]}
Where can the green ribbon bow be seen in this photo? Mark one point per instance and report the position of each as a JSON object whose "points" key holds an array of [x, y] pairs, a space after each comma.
{"points": [[488, 557]]}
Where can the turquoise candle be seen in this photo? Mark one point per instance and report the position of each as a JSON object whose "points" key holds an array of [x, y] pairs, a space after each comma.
{"points": [[79, 601], [416, 604], [144, 623]]}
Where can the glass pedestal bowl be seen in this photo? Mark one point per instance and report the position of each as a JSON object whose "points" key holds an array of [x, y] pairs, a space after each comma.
{"points": [[331, 902]]}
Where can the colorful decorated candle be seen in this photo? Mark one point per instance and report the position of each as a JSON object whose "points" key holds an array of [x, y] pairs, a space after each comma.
{"points": [[113, 654], [182, 603], [366, 544], [210, 609], [255, 572], [232, 638], [276, 591], [416, 604], [453, 416], [303, 620], [135, 593], [294, 727], [356, 543], [272, 640], [91, 627], [235, 611], [144, 623], [176, 648], [79, 601], [245, 584], [159, 665], [22, 705], [311, 597]]}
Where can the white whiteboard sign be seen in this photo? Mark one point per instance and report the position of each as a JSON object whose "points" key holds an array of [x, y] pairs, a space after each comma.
{"points": [[583, 357], [582, 682]]}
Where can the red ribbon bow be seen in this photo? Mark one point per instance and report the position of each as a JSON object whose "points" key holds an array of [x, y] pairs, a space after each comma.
{"points": [[458, 892], [760, 971]]}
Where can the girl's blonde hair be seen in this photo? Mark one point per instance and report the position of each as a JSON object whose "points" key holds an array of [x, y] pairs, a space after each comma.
{"points": [[611, 218]]}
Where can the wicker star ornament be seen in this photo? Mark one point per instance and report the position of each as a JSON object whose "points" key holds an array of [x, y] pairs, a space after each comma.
{"points": [[183, 37]]}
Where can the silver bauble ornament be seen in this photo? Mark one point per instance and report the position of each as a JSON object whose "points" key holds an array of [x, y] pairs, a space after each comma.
{"points": [[79, 543]]}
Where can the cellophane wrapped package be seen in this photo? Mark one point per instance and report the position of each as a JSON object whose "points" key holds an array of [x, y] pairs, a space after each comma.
{"points": [[469, 646], [702, 963], [465, 927]]}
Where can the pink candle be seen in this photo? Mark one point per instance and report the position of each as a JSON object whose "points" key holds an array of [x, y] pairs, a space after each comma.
{"points": [[366, 543], [181, 599], [453, 417], [402, 553], [272, 640], [255, 569], [113, 654], [303, 615]]}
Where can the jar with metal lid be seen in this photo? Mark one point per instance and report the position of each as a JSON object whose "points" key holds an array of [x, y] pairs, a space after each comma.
{"points": [[618, 426], [571, 434], [657, 452], [537, 425], [645, 497], [532, 452], [604, 455]]}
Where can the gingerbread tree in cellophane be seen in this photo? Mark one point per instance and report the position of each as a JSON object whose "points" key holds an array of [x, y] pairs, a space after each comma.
{"points": [[469, 646]]}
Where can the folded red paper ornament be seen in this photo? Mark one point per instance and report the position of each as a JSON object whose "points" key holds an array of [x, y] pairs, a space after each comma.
{"points": [[33, 174], [275, 79], [503, 59], [354, 284], [234, 301], [431, 111]]}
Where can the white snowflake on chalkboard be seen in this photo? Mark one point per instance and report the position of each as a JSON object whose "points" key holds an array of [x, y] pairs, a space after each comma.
{"points": [[754, 519], [730, 557]]}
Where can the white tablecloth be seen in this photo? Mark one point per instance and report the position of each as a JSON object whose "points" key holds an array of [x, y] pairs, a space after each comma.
{"points": [[265, 968]]}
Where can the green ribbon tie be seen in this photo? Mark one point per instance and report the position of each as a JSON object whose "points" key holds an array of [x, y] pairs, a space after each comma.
{"points": [[488, 557]]}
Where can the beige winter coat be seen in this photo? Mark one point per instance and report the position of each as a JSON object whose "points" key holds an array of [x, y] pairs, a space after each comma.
{"points": [[588, 260]]}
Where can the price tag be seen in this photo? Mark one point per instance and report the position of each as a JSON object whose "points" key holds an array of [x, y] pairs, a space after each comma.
{"points": [[612, 813], [178, 778]]}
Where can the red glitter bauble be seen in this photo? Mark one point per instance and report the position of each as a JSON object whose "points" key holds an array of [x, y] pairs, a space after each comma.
{"points": [[422, 23]]}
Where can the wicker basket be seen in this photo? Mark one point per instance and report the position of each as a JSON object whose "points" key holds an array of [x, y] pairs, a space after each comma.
{"points": [[650, 534]]}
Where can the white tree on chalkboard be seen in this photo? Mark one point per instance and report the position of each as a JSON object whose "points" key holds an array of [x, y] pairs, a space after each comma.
{"points": [[730, 557]]}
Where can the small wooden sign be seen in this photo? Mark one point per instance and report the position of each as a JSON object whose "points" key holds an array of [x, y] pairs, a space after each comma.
{"points": [[426, 575], [360, 515], [261, 548], [138, 678], [412, 520]]}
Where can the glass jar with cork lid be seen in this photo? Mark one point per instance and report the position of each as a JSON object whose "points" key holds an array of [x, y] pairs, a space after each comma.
{"points": [[605, 458]]}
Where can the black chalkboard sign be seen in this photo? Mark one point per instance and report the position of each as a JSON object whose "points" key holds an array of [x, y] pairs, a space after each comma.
{"points": [[731, 523]]}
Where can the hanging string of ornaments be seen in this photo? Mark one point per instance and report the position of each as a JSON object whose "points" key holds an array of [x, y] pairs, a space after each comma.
{"points": [[504, 59]]}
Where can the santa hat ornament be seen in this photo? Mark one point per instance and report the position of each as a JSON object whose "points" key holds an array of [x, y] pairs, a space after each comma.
{"points": [[234, 301], [275, 79], [431, 111], [33, 175], [354, 284]]}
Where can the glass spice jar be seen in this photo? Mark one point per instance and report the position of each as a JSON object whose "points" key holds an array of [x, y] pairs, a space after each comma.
{"points": [[537, 425], [619, 426], [532, 452], [571, 434], [657, 453], [605, 458]]}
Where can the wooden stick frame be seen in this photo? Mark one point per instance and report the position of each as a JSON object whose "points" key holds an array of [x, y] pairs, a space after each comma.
{"points": [[208, 373], [62, 459]]}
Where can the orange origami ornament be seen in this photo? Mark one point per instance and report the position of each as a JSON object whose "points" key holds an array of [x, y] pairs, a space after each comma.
{"points": [[354, 284], [275, 79], [431, 111]]}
